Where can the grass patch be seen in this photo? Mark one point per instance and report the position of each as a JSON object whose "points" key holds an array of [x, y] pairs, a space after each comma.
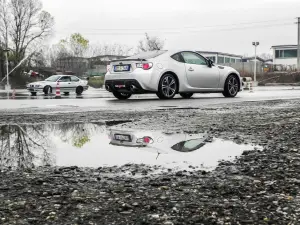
{"points": [[96, 82]]}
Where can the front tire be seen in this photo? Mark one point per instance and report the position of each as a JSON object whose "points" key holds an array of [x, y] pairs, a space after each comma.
{"points": [[121, 96], [167, 87], [186, 95], [231, 87], [47, 90]]}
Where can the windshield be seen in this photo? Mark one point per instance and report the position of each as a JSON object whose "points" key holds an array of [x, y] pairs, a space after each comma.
{"points": [[53, 78], [188, 146]]}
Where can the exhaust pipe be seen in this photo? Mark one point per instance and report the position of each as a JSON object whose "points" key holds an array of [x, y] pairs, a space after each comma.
{"points": [[133, 88], [107, 87]]}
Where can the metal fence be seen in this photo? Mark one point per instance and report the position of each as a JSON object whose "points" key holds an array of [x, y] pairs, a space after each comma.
{"points": [[247, 67]]}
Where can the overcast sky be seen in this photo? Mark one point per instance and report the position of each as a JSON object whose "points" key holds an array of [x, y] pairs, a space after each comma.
{"points": [[225, 26]]}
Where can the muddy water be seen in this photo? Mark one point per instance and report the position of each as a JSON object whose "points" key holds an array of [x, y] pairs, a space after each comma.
{"points": [[95, 145]]}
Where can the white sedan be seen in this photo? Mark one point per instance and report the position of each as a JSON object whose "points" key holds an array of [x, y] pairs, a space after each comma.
{"points": [[67, 84], [168, 73]]}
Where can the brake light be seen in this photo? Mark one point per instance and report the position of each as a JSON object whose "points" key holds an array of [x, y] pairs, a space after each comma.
{"points": [[144, 66], [148, 140]]}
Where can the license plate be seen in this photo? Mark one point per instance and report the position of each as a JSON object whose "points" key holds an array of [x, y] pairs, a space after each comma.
{"points": [[122, 68], [122, 137]]}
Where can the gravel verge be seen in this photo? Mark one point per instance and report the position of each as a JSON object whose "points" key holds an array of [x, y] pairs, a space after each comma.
{"points": [[260, 187]]}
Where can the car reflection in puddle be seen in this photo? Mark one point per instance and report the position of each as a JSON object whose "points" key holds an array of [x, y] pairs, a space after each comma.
{"points": [[94, 145]]}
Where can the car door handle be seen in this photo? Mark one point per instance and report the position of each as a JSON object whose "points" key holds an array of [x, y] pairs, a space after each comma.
{"points": [[191, 69]]}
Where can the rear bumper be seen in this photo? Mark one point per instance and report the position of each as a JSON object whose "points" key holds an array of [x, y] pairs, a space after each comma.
{"points": [[124, 86]]}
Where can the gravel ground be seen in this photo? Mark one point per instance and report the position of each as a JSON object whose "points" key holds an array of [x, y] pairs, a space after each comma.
{"points": [[260, 187]]}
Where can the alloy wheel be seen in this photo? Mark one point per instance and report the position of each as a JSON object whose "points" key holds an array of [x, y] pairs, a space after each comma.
{"points": [[169, 86], [233, 86]]}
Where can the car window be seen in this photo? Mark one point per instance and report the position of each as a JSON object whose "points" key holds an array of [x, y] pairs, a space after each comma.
{"points": [[53, 78], [65, 79], [193, 58], [74, 79], [189, 145], [178, 57]]}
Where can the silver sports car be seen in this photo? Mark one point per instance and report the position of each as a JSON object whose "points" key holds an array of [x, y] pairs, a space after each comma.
{"points": [[168, 73]]}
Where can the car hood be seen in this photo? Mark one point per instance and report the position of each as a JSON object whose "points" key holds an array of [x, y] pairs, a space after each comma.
{"points": [[38, 83]]}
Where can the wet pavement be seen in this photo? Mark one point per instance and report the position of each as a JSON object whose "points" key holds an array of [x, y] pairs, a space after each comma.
{"points": [[99, 99], [95, 145]]}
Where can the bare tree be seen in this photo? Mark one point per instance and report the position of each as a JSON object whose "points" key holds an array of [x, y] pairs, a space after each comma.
{"points": [[150, 43], [21, 145], [23, 25], [266, 56], [112, 49]]}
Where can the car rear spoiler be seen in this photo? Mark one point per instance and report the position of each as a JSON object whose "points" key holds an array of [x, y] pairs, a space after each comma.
{"points": [[118, 60]]}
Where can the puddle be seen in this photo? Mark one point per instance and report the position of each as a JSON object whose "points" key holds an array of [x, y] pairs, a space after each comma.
{"points": [[96, 145]]}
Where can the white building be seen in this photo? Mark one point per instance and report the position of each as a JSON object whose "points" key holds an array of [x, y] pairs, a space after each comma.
{"points": [[221, 58], [285, 55]]}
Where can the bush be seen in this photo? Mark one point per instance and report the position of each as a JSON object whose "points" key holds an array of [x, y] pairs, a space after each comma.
{"points": [[96, 82]]}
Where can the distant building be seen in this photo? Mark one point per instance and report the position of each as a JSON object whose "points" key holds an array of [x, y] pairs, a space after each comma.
{"points": [[284, 55], [98, 64], [76, 65], [221, 58], [252, 59], [80, 66], [106, 58]]}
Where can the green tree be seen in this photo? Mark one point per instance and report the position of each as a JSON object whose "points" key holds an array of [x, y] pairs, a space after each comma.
{"points": [[76, 45]]}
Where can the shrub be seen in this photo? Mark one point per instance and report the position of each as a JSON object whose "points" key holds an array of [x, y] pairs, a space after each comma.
{"points": [[96, 82]]}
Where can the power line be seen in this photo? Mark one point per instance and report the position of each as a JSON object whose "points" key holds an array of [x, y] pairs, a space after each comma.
{"points": [[184, 31], [210, 26]]}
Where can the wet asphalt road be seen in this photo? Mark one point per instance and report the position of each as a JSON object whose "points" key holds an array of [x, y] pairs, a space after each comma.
{"points": [[99, 99]]}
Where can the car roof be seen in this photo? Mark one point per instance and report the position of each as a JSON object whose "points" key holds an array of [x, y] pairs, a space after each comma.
{"points": [[174, 51], [64, 75]]}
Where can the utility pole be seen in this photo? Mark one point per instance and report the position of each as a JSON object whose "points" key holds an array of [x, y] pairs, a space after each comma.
{"points": [[6, 63], [255, 44], [298, 52]]}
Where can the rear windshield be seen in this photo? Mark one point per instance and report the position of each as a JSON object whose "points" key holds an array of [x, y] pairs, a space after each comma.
{"points": [[147, 55]]}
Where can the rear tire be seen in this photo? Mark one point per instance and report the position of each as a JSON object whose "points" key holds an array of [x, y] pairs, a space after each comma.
{"points": [[121, 96], [186, 95], [167, 87], [231, 87], [79, 90]]}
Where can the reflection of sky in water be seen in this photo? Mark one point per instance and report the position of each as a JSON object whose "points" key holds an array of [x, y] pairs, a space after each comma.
{"points": [[95, 149]]}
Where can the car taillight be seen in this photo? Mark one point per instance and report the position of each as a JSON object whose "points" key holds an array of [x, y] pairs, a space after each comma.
{"points": [[144, 66], [148, 140]]}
